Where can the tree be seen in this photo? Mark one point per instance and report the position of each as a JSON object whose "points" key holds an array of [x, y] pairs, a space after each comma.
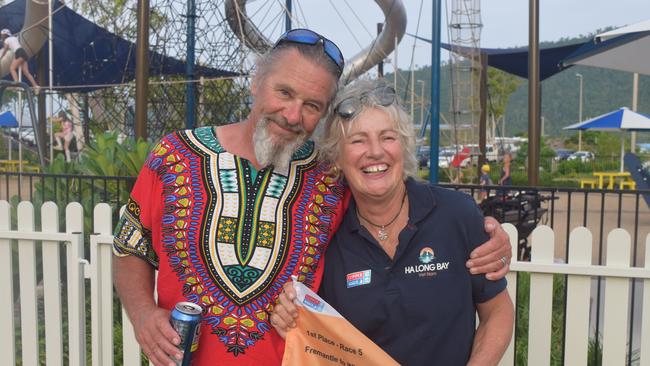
{"points": [[500, 85]]}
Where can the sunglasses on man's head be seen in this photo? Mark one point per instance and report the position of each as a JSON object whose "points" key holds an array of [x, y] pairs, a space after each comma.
{"points": [[305, 36], [382, 95]]}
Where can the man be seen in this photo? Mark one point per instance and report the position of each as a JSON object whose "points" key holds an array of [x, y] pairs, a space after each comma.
{"points": [[226, 215]]}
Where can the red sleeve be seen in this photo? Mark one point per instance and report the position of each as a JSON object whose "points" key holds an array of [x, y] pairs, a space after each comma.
{"points": [[137, 231]]}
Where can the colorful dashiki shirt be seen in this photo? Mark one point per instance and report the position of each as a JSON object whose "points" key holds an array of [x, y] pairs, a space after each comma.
{"points": [[227, 237]]}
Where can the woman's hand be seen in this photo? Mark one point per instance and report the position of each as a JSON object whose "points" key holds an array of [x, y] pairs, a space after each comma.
{"points": [[285, 311]]}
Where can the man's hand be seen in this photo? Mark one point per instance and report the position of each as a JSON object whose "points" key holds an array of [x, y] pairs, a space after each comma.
{"points": [[134, 282], [492, 257], [157, 337], [285, 311]]}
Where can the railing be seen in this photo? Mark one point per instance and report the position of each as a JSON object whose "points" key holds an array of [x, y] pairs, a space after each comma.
{"points": [[62, 329], [599, 210], [65, 188]]}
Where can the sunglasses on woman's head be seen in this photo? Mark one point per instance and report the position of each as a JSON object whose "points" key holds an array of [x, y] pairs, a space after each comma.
{"points": [[382, 95], [305, 36]]}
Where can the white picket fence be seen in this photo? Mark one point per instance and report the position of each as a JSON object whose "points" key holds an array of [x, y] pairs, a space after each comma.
{"points": [[616, 274], [96, 270]]}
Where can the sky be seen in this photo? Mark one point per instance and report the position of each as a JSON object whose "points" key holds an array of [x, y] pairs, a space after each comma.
{"points": [[505, 22]]}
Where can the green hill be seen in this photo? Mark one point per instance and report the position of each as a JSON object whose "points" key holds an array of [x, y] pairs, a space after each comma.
{"points": [[603, 91]]}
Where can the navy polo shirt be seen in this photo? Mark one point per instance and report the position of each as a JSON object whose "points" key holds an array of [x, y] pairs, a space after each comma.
{"points": [[419, 306]]}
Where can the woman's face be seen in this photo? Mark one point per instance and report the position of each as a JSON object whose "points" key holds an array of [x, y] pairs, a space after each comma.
{"points": [[371, 156]]}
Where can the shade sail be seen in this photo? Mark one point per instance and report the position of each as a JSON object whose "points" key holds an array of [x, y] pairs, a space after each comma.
{"points": [[632, 28], [515, 60], [624, 49], [88, 57]]}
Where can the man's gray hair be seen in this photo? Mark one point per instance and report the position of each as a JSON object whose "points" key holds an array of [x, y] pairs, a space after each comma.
{"points": [[314, 53], [337, 127]]}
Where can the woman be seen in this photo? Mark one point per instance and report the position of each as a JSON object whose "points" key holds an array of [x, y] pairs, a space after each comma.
{"points": [[505, 179], [20, 57], [410, 239]]}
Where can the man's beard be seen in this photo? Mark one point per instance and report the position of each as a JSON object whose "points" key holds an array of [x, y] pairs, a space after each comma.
{"points": [[273, 150]]}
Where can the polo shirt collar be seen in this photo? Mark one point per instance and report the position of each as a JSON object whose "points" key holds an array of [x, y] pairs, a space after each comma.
{"points": [[421, 200], [421, 203]]}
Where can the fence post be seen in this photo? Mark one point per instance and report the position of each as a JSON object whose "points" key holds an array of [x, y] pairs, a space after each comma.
{"points": [[576, 349], [541, 298], [132, 350], [27, 278], [616, 299], [76, 293], [7, 335], [52, 287], [509, 355], [101, 288], [644, 352]]}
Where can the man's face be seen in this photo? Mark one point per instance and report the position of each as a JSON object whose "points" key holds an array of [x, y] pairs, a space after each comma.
{"points": [[289, 100]]}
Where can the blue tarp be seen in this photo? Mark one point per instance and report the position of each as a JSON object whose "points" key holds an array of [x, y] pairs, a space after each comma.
{"points": [[7, 119], [87, 56], [515, 60]]}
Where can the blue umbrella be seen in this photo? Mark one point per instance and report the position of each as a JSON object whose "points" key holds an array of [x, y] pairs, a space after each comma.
{"points": [[621, 119]]}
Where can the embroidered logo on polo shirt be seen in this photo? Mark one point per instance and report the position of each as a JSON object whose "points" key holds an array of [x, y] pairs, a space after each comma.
{"points": [[360, 278], [426, 255], [428, 266], [313, 303]]}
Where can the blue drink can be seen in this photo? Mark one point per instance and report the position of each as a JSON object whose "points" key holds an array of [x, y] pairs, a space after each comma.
{"points": [[186, 319]]}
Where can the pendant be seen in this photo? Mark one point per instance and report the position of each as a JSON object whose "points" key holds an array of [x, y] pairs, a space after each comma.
{"points": [[382, 234]]}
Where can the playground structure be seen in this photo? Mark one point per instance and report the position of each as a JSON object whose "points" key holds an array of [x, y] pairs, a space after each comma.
{"points": [[33, 34], [224, 54], [92, 69], [465, 33], [32, 37], [92, 73], [392, 32]]}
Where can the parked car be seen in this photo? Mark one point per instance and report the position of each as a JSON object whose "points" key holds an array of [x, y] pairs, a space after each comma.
{"points": [[445, 157], [562, 154], [583, 156]]}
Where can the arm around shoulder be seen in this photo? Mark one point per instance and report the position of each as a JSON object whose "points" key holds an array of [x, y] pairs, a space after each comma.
{"points": [[496, 322]]}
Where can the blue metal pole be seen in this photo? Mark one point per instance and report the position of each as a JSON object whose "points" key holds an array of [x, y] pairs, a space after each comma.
{"points": [[190, 105], [435, 91], [287, 16]]}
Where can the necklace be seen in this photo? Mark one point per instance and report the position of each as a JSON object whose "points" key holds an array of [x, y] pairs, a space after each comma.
{"points": [[382, 235]]}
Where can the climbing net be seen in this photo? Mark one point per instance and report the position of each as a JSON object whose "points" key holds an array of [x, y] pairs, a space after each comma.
{"points": [[217, 100]]}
